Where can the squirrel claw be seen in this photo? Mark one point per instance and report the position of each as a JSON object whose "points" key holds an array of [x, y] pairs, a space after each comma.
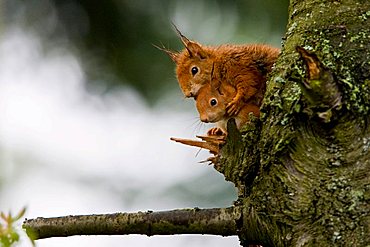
{"points": [[216, 132], [234, 107]]}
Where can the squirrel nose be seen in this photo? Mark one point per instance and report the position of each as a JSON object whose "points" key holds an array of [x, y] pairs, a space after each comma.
{"points": [[189, 95], [204, 119]]}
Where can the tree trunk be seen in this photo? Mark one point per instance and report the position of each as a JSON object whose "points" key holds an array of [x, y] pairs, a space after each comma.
{"points": [[303, 168]]}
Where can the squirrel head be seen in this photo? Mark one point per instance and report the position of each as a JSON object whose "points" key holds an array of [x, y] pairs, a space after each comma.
{"points": [[193, 65], [212, 100]]}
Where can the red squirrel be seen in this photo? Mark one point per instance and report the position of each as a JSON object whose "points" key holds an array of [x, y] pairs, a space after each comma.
{"points": [[212, 101], [244, 67]]}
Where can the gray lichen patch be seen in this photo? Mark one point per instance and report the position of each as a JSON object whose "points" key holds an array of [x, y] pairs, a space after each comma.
{"points": [[339, 36]]}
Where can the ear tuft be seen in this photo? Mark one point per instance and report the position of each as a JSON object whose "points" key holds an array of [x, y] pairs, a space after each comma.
{"points": [[184, 40], [172, 54], [193, 48]]}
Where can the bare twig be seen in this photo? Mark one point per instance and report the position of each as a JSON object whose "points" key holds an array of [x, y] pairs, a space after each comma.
{"points": [[216, 221]]}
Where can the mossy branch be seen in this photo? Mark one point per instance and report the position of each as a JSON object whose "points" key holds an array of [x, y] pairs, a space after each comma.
{"points": [[215, 221]]}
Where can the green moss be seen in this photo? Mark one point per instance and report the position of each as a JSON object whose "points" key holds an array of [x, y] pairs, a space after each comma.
{"points": [[332, 44], [312, 183], [291, 96]]}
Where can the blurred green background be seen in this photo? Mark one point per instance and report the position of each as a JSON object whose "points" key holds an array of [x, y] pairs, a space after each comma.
{"points": [[114, 38], [105, 147]]}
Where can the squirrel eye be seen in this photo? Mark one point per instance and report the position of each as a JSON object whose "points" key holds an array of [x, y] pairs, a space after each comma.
{"points": [[213, 102], [194, 70]]}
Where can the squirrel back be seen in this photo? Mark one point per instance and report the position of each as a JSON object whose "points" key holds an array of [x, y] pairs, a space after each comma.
{"points": [[245, 67]]}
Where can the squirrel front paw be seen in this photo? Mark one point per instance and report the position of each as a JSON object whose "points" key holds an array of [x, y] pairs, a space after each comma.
{"points": [[216, 132], [234, 107]]}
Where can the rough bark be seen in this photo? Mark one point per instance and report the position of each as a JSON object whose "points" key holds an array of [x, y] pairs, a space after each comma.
{"points": [[302, 169]]}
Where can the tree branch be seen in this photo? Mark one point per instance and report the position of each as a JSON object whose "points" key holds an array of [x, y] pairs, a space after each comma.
{"points": [[216, 221]]}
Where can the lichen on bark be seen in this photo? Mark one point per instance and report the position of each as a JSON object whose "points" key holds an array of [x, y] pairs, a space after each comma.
{"points": [[307, 180]]}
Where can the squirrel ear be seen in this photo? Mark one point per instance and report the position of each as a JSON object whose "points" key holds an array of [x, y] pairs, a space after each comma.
{"points": [[196, 50], [213, 81], [172, 54], [193, 48], [216, 86]]}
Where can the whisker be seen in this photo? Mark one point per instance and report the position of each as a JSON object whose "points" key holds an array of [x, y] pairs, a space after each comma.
{"points": [[200, 126], [200, 149], [194, 122]]}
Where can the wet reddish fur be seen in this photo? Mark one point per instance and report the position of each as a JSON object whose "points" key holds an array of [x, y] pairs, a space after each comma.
{"points": [[244, 67], [217, 114]]}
